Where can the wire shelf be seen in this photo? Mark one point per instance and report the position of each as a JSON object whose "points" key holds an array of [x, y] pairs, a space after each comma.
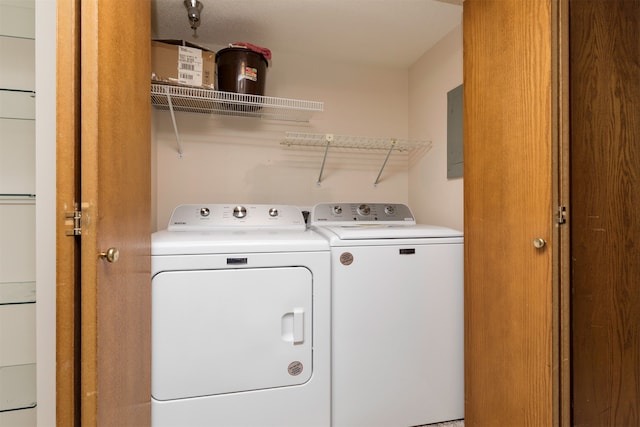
{"points": [[17, 199], [328, 140], [204, 101], [17, 292], [21, 380], [355, 142]]}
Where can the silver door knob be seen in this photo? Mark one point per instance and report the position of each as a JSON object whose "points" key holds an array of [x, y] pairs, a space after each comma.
{"points": [[111, 255], [539, 243]]}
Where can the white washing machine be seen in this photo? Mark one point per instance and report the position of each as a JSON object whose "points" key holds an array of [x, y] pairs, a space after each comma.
{"points": [[397, 316], [240, 319]]}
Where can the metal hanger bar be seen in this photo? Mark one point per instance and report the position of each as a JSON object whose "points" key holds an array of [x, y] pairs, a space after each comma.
{"points": [[393, 144], [173, 119], [329, 139]]}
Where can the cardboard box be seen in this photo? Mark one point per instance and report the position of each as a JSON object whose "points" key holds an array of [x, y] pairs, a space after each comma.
{"points": [[182, 63]]}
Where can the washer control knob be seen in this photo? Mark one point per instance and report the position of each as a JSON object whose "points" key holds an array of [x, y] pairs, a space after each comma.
{"points": [[204, 212], [239, 211], [273, 212], [364, 210], [390, 210], [337, 209]]}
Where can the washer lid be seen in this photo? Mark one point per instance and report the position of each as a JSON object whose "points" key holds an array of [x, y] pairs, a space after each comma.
{"points": [[370, 232], [235, 241]]}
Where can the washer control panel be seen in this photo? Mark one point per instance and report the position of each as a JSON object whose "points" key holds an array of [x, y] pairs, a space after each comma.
{"points": [[345, 214], [224, 216]]}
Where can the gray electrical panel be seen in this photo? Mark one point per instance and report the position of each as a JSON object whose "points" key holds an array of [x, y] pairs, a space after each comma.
{"points": [[454, 133]]}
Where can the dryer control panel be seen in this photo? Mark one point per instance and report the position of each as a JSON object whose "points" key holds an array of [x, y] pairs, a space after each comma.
{"points": [[345, 214], [193, 217]]}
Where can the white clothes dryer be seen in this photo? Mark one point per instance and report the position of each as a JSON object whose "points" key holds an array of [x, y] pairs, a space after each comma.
{"points": [[240, 319], [397, 316]]}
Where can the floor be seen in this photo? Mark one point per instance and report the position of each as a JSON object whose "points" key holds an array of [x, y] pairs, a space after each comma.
{"points": [[457, 423]]}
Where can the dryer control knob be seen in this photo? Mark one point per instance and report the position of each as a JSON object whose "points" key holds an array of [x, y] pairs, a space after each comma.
{"points": [[337, 209], [239, 211], [364, 210], [390, 210], [273, 212], [204, 211]]}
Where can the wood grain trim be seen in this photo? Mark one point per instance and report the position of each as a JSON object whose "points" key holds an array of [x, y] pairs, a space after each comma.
{"points": [[89, 101], [67, 198], [562, 253]]}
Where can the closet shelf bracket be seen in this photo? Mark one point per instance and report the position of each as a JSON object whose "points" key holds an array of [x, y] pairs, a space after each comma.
{"points": [[386, 159], [329, 140], [173, 120]]}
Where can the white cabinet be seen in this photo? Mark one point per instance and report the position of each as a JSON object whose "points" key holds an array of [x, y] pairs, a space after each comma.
{"points": [[17, 215]]}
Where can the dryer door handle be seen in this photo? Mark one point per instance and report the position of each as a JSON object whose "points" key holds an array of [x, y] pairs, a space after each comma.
{"points": [[298, 325], [293, 326]]}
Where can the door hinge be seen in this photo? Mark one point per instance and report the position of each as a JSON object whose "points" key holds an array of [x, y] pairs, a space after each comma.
{"points": [[76, 216], [562, 215]]}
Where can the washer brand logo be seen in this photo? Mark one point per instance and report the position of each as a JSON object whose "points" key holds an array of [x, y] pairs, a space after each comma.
{"points": [[346, 258], [411, 251], [179, 222], [295, 368]]}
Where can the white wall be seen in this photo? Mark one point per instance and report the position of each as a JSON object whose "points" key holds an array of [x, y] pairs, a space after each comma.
{"points": [[46, 210], [433, 198], [17, 215], [241, 160]]}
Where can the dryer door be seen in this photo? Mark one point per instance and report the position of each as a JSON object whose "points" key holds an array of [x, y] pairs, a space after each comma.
{"points": [[227, 331]]}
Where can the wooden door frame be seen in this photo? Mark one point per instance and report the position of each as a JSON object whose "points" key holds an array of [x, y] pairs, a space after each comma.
{"points": [[67, 200], [562, 247]]}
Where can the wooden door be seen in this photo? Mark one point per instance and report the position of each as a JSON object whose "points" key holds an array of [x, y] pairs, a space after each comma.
{"points": [[605, 211], [509, 189], [104, 352]]}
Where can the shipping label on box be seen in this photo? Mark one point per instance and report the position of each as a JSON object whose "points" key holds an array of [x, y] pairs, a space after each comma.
{"points": [[182, 63], [189, 66]]}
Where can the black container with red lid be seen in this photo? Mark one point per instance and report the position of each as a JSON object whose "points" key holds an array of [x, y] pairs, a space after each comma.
{"points": [[241, 70]]}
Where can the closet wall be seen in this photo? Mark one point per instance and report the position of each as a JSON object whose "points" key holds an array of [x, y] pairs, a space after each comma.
{"points": [[242, 160], [17, 214], [434, 198]]}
